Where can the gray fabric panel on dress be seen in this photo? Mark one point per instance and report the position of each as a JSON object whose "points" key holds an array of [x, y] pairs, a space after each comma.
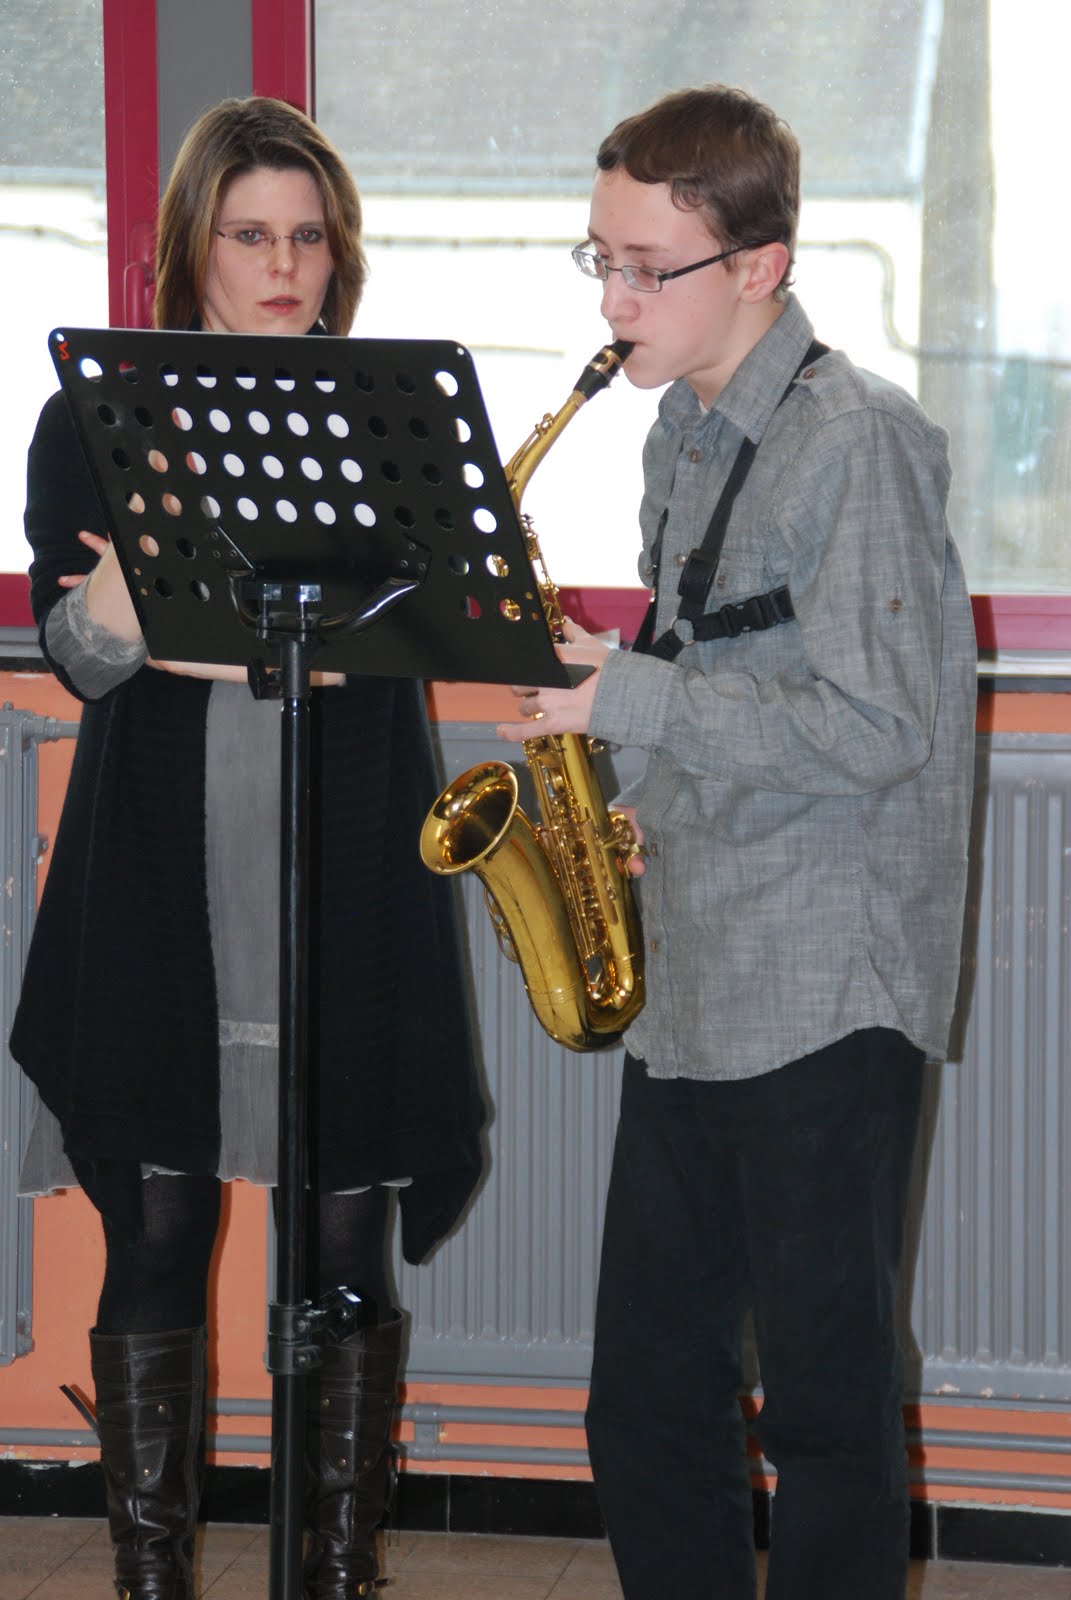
{"points": [[242, 861], [44, 1168]]}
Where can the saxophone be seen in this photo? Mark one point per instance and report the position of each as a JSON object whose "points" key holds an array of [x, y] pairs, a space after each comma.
{"points": [[559, 895]]}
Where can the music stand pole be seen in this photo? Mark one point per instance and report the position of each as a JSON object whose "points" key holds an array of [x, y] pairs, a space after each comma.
{"points": [[297, 1327], [290, 1331]]}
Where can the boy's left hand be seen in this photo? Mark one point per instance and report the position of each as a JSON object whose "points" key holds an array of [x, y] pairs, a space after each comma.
{"points": [[559, 710]]}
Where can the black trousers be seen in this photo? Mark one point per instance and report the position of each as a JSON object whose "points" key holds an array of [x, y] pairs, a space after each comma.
{"points": [[784, 1193]]}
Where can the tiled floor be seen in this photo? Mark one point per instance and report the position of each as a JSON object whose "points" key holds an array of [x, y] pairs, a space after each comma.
{"points": [[66, 1559]]}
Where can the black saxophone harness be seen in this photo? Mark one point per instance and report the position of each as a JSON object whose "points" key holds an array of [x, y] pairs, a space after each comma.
{"points": [[752, 615]]}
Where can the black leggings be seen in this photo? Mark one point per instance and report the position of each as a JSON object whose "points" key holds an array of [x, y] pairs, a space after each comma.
{"points": [[157, 1279]]}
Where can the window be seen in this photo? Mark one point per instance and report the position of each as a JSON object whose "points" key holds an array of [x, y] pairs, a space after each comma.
{"points": [[53, 248], [930, 248]]}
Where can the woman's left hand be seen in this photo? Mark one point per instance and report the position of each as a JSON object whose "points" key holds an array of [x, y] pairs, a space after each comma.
{"points": [[221, 673], [559, 710]]}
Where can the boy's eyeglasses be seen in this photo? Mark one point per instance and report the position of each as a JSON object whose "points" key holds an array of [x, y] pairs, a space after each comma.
{"points": [[648, 280]]}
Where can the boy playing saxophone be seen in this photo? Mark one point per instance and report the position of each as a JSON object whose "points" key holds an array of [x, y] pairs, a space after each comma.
{"points": [[804, 691]]}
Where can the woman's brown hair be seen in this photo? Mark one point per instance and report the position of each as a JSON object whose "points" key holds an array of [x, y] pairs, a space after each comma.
{"points": [[233, 138]]}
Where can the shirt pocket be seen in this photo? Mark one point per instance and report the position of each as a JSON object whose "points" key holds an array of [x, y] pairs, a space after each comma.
{"points": [[742, 572]]}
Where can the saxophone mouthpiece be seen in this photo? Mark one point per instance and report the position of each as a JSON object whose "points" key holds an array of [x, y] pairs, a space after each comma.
{"points": [[603, 366]]}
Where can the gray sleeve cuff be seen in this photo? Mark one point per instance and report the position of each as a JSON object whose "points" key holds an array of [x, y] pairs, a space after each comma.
{"points": [[633, 699], [94, 659]]}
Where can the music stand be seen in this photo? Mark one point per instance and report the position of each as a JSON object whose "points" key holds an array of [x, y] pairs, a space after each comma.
{"points": [[276, 499]]}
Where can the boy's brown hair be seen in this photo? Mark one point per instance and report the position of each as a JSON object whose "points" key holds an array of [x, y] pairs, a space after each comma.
{"points": [[722, 153]]}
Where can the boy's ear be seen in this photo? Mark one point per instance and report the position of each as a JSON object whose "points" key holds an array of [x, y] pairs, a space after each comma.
{"points": [[766, 268]]}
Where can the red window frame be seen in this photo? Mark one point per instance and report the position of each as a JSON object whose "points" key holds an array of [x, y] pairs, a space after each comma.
{"points": [[282, 64]]}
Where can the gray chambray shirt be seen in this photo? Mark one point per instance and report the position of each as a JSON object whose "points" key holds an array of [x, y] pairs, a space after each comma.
{"points": [[807, 793]]}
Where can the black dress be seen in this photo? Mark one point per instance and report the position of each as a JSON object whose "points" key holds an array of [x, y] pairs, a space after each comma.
{"points": [[119, 1022]]}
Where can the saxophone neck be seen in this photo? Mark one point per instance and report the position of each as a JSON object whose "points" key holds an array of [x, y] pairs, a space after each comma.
{"points": [[522, 464], [599, 371]]}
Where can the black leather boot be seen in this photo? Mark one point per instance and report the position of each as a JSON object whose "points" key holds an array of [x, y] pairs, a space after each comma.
{"points": [[150, 1413], [351, 1401]]}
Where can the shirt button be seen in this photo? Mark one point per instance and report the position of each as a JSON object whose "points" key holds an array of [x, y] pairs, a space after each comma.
{"points": [[653, 946], [695, 455], [652, 849], [681, 559], [719, 581]]}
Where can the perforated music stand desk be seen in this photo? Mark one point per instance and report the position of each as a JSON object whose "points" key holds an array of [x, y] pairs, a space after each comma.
{"points": [[279, 500]]}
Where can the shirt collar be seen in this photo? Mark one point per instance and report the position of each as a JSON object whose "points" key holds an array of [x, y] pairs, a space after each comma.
{"points": [[754, 391]]}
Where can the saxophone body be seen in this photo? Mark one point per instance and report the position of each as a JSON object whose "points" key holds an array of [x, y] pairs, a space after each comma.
{"points": [[559, 892]]}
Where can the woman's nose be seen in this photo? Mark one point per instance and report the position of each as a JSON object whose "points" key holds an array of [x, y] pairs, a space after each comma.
{"points": [[283, 254]]}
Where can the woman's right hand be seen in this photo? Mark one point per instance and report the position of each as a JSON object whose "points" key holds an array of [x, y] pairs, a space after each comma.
{"points": [[107, 597], [109, 604]]}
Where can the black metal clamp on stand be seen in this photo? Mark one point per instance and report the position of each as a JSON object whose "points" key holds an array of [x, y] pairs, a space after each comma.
{"points": [[279, 500]]}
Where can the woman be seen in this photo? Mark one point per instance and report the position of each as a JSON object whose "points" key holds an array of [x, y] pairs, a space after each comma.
{"points": [[158, 928]]}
